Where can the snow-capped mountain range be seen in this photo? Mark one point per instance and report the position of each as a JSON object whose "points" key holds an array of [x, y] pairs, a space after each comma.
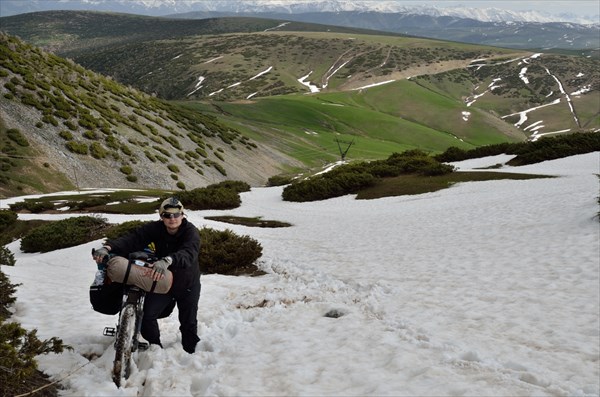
{"points": [[168, 7]]}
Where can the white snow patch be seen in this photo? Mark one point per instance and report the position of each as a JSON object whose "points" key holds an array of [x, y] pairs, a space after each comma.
{"points": [[485, 288]]}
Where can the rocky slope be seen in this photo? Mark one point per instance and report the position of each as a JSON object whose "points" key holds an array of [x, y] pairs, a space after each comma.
{"points": [[59, 118]]}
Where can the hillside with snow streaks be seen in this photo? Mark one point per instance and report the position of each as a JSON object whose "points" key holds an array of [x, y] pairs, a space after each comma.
{"points": [[537, 125]]}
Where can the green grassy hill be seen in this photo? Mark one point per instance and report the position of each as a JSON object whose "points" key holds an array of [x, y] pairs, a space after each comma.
{"points": [[379, 121]]}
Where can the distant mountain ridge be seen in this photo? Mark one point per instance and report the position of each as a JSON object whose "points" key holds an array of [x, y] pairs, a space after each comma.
{"points": [[165, 7], [488, 26], [518, 35]]}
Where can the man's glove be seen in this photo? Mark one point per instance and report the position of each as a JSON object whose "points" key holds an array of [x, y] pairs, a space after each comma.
{"points": [[160, 266], [100, 253]]}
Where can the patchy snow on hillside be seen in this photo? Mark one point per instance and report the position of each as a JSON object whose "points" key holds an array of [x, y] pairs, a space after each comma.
{"points": [[485, 288]]}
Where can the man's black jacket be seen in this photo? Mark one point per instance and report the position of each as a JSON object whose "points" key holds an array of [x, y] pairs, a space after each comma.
{"points": [[183, 247]]}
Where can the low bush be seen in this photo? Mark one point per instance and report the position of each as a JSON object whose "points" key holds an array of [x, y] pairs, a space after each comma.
{"points": [[547, 148], [66, 135], [220, 196], [279, 180], [7, 298], [352, 178], [19, 347], [7, 258], [32, 206], [88, 202], [237, 186], [210, 198], [122, 229], [224, 252], [97, 150], [323, 187], [16, 135], [7, 219], [77, 147], [64, 233]]}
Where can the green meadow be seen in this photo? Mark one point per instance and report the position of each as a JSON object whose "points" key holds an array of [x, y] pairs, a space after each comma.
{"points": [[372, 122]]}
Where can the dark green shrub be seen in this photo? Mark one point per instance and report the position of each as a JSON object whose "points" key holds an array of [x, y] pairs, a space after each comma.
{"points": [[90, 134], [32, 206], [19, 347], [98, 151], [88, 202], [223, 251], [126, 150], [352, 178], [550, 148], [410, 162], [77, 147], [202, 152], [70, 125], [49, 119], [7, 219], [7, 291], [64, 233], [150, 156], [66, 135], [546, 148], [122, 229], [7, 258], [425, 166], [324, 187], [16, 136], [218, 198], [238, 186], [112, 142], [279, 180]]}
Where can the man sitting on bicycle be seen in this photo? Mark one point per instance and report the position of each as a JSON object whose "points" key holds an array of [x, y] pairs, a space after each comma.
{"points": [[177, 243]]}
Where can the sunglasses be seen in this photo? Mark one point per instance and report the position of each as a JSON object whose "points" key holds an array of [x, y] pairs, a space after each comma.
{"points": [[168, 215]]}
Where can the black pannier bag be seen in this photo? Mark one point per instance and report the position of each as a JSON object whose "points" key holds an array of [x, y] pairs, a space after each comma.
{"points": [[107, 298]]}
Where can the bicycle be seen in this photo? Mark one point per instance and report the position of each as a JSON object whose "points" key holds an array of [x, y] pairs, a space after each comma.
{"points": [[129, 323]]}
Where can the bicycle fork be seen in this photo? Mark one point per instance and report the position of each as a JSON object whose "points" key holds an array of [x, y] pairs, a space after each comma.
{"points": [[138, 301], [138, 326]]}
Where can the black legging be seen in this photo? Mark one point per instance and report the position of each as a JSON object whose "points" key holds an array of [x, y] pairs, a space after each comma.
{"points": [[161, 305]]}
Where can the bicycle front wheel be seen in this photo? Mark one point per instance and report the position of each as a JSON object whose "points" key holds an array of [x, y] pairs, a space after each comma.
{"points": [[123, 344]]}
